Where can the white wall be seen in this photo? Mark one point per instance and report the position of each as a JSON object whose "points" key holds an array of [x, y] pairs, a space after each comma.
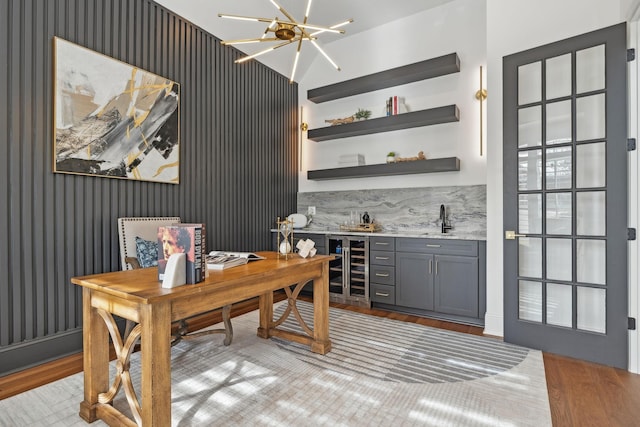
{"points": [[454, 27]]}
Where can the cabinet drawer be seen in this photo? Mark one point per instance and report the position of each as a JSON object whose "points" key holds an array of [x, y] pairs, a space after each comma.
{"points": [[382, 274], [382, 258], [382, 243], [438, 246], [382, 293]]}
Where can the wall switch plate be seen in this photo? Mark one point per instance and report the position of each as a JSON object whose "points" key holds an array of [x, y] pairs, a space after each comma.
{"points": [[311, 210]]}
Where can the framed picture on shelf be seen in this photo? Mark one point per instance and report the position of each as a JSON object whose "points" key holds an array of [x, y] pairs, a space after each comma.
{"points": [[113, 119]]}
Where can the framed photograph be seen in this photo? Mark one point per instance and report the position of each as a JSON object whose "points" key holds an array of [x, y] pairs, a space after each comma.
{"points": [[112, 119]]}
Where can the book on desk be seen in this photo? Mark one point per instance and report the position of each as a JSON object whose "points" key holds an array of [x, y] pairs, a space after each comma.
{"points": [[219, 260], [188, 239]]}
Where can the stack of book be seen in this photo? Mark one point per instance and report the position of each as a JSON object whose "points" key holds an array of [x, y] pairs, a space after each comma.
{"points": [[346, 160], [188, 239], [395, 106]]}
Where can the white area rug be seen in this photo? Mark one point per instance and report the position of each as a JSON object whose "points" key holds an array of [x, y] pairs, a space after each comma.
{"points": [[381, 372]]}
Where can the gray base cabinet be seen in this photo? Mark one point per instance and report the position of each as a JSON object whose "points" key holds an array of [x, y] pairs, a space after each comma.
{"points": [[456, 285], [439, 278], [414, 280]]}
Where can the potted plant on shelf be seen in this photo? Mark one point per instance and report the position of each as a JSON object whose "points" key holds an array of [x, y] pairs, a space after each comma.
{"points": [[362, 114], [391, 157]]}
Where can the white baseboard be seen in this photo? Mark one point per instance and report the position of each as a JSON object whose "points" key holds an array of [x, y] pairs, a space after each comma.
{"points": [[493, 325]]}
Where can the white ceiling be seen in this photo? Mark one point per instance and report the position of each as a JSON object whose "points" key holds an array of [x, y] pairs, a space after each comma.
{"points": [[366, 14]]}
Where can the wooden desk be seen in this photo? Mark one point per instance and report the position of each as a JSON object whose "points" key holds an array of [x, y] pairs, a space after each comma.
{"points": [[138, 296]]}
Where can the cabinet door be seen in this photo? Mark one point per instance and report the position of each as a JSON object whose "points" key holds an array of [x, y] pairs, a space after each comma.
{"points": [[414, 280], [456, 285]]}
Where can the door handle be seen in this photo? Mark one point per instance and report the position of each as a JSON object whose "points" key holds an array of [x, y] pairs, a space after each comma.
{"points": [[511, 235]]}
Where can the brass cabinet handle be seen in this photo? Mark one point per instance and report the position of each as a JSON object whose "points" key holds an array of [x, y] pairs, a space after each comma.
{"points": [[382, 294]]}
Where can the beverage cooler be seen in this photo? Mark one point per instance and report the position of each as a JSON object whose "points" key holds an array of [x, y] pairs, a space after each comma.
{"points": [[349, 272]]}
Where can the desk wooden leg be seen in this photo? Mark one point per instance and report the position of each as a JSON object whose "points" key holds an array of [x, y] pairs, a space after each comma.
{"points": [[155, 344], [96, 357], [321, 343], [266, 314]]}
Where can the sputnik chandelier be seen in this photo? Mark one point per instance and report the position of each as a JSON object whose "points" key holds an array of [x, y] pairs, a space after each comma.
{"points": [[286, 32]]}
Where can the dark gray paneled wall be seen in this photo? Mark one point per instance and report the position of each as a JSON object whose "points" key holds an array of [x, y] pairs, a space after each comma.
{"points": [[238, 160]]}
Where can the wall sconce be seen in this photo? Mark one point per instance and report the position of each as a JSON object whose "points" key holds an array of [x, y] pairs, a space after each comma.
{"points": [[481, 95], [304, 126]]}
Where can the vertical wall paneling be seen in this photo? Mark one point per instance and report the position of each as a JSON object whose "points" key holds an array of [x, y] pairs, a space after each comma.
{"points": [[238, 127]]}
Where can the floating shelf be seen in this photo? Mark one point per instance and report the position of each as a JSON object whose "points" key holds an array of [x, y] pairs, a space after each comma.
{"points": [[446, 164], [427, 69], [432, 116]]}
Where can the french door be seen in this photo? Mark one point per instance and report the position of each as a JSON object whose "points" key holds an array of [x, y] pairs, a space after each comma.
{"points": [[565, 197]]}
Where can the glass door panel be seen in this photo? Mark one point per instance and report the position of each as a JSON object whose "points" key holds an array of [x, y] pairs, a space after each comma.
{"points": [[530, 213], [590, 69], [530, 260], [336, 271], [559, 259], [358, 254], [530, 170], [592, 309], [558, 122], [590, 117], [591, 213], [530, 127], [529, 83], [559, 305], [591, 168], [558, 76], [591, 259], [530, 300], [558, 168], [559, 216]]}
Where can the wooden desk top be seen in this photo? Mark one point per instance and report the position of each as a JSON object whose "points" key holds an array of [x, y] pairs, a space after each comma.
{"points": [[142, 285]]}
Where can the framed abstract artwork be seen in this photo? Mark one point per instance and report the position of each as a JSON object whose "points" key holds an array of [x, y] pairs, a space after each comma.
{"points": [[113, 119]]}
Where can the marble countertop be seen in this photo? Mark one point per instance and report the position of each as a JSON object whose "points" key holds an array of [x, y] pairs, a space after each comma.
{"points": [[422, 234]]}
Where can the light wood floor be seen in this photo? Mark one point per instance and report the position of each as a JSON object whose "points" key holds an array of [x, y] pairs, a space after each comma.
{"points": [[580, 393]]}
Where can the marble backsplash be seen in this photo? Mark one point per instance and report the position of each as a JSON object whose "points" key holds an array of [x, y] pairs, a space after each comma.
{"points": [[401, 209]]}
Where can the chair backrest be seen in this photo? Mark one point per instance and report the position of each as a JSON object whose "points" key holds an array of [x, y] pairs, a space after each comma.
{"points": [[143, 227]]}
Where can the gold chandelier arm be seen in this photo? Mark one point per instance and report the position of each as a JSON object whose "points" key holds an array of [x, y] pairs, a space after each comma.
{"points": [[244, 41], [246, 58], [319, 28], [342, 24], [245, 18], [270, 27], [325, 55], [284, 12]]}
